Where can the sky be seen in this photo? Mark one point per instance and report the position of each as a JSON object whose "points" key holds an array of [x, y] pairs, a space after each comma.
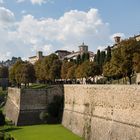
{"points": [[28, 26]]}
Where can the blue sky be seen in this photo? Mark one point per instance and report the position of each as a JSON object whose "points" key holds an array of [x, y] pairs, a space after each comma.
{"points": [[28, 26]]}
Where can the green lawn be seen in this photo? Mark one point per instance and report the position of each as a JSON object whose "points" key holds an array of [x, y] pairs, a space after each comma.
{"points": [[38, 86], [43, 132]]}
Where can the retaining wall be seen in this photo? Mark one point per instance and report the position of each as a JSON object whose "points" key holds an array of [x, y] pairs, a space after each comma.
{"points": [[24, 106], [103, 112]]}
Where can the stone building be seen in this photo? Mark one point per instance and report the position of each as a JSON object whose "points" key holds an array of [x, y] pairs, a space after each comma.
{"points": [[82, 49], [137, 37], [62, 53], [39, 56]]}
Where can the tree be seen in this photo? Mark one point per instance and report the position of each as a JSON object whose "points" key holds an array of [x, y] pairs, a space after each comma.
{"points": [[40, 71], [3, 72], [65, 68], [121, 63], [85, 57], [128, 49], [98, 57], [27, 73], [108, 55], [71, 72], [48, 69], [78, 60], [85, 70], [102, 57], [12, 72], [136, 62], [55, 70], [22, 72]]}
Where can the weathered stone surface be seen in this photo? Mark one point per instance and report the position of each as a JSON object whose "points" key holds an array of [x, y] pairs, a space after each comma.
{"points": [[103, 112], [24, 106]]}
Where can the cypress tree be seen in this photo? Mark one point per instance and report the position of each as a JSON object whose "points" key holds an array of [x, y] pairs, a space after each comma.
{"points": [[108, 55], [78, 60], [98, 57], [102, 57]]}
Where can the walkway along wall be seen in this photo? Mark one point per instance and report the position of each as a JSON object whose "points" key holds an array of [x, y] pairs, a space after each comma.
{"points": [[103, 112], [24, 106]]}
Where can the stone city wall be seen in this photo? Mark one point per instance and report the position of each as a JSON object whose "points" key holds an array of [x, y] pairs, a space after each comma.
{"points": [[103, 112], [24, 106]]}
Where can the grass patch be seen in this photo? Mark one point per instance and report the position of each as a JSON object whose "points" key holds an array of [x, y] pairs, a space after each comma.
{"points": [[38, 86], [43, 132]]}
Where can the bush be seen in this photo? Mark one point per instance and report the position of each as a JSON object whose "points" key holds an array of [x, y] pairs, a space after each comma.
{"points": [[1, 136], [4, 136], [2, 118], [43, 116]]}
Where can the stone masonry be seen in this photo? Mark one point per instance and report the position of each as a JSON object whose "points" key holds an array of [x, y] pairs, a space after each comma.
{"points": [[24, 106], [103, 112], [95, 112]]}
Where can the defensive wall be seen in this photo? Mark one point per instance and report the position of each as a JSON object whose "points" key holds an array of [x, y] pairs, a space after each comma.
{"points": [[95, 112], [103, 112], [24, 106]]}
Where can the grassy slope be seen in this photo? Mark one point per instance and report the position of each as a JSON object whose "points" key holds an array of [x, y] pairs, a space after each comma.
{"points": [[43, 132]]}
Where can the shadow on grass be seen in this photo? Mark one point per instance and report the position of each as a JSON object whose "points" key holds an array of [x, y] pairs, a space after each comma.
{"points": [[10, 129]]}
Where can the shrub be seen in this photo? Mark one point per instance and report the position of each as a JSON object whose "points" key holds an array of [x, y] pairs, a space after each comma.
{"points": [[2, 118], [43, 116]]}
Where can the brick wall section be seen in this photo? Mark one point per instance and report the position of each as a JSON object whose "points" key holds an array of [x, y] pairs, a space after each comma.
{"points": [[103, 112]]}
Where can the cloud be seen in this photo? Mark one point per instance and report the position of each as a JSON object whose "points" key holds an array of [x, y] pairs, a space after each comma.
{"points": [[6, 17], [19, 1], [1, 1], [40, 2], [30, 34], [23, 12], [122, 35]]}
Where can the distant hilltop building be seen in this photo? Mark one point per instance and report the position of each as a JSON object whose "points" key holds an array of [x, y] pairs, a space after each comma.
{"points": [[38, 56], [63, 54], [117, 39], [137, 37]]}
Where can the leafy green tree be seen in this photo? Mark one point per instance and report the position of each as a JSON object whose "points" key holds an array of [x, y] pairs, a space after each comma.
{"points": [[71, 72], [27, 73], [121, 63], [48, 69], [128, 48], [55, 70], [136, 62], [84, 70], [12, 72], [22, 72], [40, 71], [66, 65]]}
